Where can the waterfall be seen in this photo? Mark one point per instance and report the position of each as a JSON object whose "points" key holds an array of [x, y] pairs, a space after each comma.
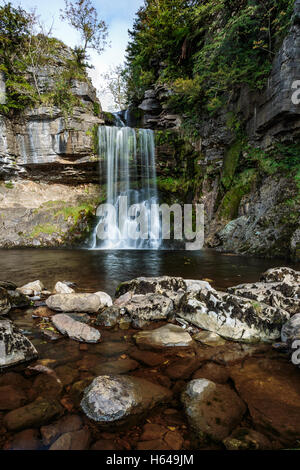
{"points": [[129, 162]]}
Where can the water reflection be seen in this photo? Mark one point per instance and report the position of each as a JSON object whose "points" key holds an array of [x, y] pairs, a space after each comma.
{"points": [[104, 270]]}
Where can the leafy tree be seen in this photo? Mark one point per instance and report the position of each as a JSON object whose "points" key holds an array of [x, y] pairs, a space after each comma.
{"points": [[204, 50], [83, 16]]}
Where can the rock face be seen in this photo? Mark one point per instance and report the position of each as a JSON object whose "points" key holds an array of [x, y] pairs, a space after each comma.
{"points": [[115, 399], [14, 346], [168, 336], [286, 275], [5, 304], [149, 307], [164, 285], [280, 295], [213, 410], [233, 317], [86, 303], [40, 214], [75, 329], [271, 390]]}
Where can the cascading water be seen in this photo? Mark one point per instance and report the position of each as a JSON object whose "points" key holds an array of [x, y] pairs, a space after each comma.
{"points": [[129, 157]]}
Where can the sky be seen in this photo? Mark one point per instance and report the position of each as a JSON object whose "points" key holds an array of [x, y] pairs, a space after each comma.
{"points": [[119, 16]]}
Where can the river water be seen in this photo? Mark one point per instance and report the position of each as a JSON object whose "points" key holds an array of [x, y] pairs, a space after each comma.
{"points": [[94, 270]]}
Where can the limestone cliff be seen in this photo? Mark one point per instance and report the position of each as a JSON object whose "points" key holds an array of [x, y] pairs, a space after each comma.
{"points": [[48, 168], [252, 205]]}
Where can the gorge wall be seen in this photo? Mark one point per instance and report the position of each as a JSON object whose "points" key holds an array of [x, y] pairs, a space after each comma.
{"points": [[238, 165], [49, 170]]}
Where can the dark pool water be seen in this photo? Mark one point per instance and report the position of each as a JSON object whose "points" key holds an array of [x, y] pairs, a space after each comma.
{"points": [[104, 270]]}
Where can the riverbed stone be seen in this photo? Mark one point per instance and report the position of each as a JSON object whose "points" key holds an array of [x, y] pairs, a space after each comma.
{"points": [[14, 346], [85, 303], [5, 304], [40, 412], [52, 432], [62, 288], [105, 299], [152, 285], [122, 366], [75, 329], [114, 399], [77, 440], [213, 372], [233, 318], [149, 307], [109, 317], [209, 338], [32, 288], [271, 390], [213, 410], [11, 398], [247, 439], [281, 275], [26, 440], [291, 329], [168, 336], [283, 295]]}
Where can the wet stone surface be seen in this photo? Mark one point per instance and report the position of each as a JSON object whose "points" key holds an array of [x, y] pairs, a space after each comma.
{"points": [[41, 401]]}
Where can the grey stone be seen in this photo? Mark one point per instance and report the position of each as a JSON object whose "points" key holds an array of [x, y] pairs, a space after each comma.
{"points": [[168, 336], [111, 399], [75, 329], [86, 303], [213, 410], [15, 348]]}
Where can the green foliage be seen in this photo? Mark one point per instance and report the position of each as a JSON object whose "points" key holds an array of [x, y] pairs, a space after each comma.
{"points": [[24, 49], [205, 51]]}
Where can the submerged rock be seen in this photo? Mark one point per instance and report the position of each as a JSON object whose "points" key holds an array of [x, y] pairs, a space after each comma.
{"points": [[271, 390], [111, 399], [234, 318], [86, 303], [209, 339], [32, 288], [213, 410], [14, 346], [62, 288], [76, 440], [247, 439], [168, 336], [52, 432], [75, 329], [40, 412]]}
